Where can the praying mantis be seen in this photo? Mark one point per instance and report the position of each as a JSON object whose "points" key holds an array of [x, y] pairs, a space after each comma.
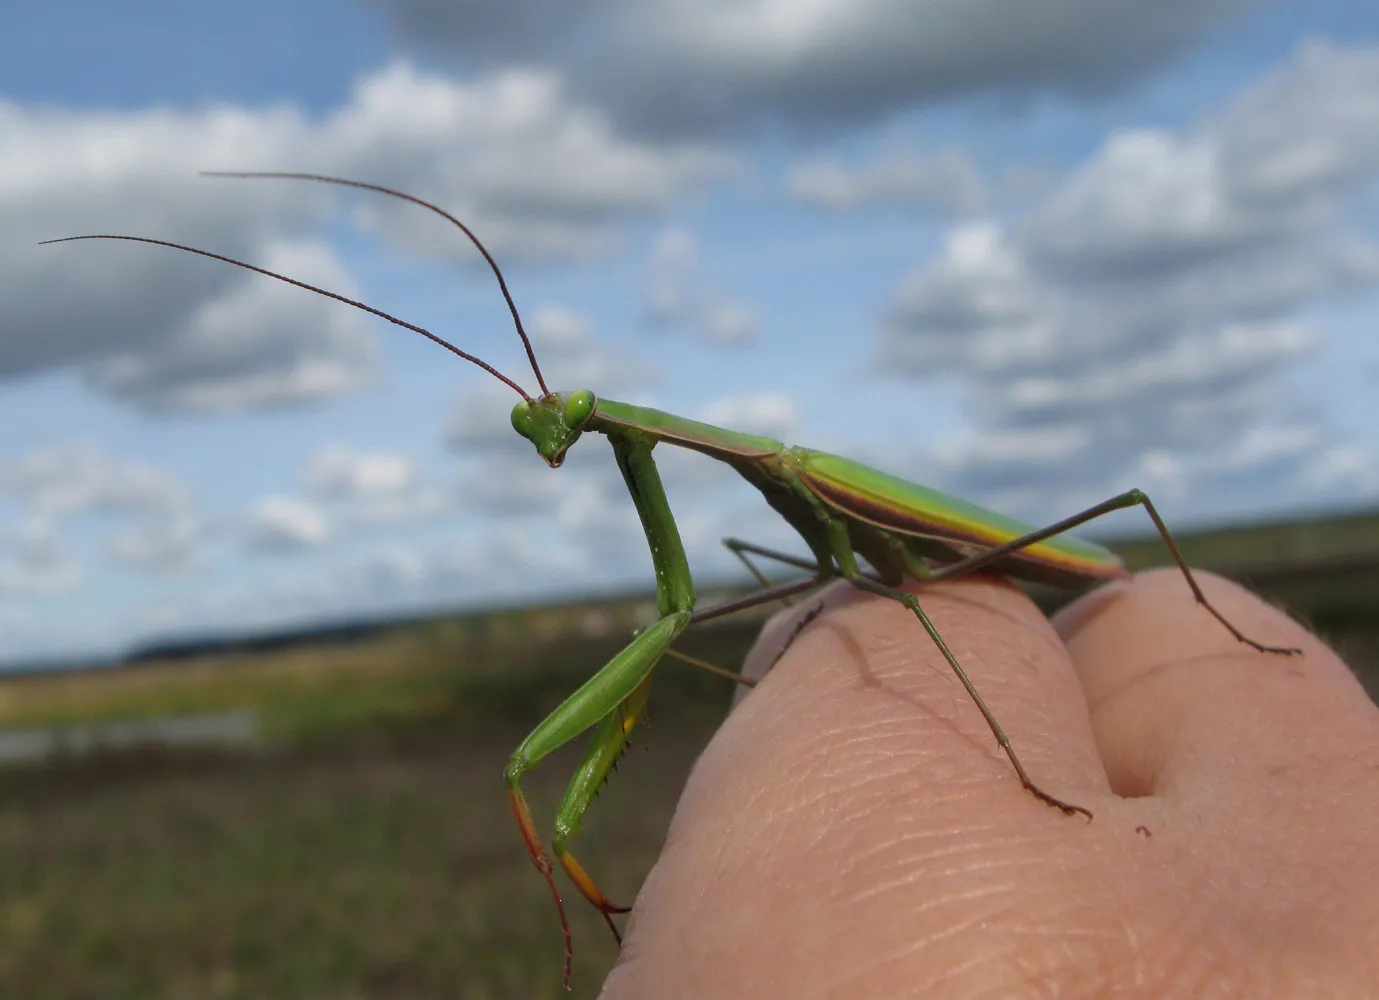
{"points": [[844, 511]]}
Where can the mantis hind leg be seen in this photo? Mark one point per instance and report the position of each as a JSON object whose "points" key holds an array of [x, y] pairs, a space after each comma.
{"points": [[1130, 498], [912, 603], [847, 564]]}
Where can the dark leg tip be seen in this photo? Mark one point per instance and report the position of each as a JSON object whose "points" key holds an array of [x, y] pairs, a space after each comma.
{"points": [[1068, 808], [612, 927]]}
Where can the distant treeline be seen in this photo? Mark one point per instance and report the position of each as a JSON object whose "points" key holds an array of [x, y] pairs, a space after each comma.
{"points": [[1325, 570]]}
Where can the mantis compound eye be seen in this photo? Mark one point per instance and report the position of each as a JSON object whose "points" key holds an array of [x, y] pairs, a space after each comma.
{"points": [[522, 418], [579, 407]]}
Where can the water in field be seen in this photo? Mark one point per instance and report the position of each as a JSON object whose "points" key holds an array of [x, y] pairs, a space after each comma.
{"points": [[219, 729]]}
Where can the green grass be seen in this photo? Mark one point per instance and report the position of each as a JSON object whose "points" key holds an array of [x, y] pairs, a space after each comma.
{"points": [[371, 870], [368, 851]]}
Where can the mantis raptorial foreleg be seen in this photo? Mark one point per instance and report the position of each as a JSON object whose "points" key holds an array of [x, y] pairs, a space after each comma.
{"points": [[606, 746], [614, 698]]}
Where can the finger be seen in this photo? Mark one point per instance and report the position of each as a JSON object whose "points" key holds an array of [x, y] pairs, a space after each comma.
{"points": [[1181, 708], [855, 800], [784, 627], [1002, 641]]}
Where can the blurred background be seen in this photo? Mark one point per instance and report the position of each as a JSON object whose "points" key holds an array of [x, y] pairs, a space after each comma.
{"points": [[280, 589]]}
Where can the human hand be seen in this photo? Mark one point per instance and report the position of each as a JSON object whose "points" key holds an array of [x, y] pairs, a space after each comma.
{"points": [[854, 831]]}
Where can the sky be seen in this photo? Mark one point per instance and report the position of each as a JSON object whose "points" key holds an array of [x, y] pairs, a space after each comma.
{"points": [[1029, 254]]}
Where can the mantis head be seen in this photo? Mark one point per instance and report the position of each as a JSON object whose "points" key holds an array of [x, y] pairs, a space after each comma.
{"points": [[554, 422]]}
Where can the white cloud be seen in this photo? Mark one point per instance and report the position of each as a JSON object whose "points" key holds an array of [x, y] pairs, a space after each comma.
{"points": [[673, 65], [535, 173], [35, 561], [560, 330], [396, 567], [1148, 198], [259, 344], [340, 471], [677, 297], [283, 524], [772, 414], [506, 563], [1155, 301], [1272, 168], [945, 180], [573, 357], [175, 544], [372, 488], [156, 529], [78, 478], [531, 171]]}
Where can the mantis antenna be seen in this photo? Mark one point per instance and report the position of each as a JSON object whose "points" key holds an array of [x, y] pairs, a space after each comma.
{"points": [[392, 192], [502, 284]]}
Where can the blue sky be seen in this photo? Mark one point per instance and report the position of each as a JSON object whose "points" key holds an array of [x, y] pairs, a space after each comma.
{"points": [[1033, 254]]}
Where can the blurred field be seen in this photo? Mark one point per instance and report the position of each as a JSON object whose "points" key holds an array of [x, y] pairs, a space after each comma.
{"points": [[362, 846], [1322, 571], [363, 849]]}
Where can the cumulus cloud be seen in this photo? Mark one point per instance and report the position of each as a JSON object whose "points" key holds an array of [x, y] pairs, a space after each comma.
{"points": [[284, 524], [530, 169], [35, 561], [772, 414], [536, 173], [574, 357], [77, 478], [340, 471], [945, 180], [677, 297], [373, 487], [176, 544], [561, 330], [1153, 303], [677, 65], [155, 527], [260, 343]]}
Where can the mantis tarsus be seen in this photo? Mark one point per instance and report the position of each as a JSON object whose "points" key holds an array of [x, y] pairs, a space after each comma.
{"points": [[840, 508]]}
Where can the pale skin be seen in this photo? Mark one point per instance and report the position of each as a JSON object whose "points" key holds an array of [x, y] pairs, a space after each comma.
{"points": [[853, 832]]}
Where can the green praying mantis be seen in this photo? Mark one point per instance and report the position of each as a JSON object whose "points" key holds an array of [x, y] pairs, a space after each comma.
{"points": [[844, 511]]}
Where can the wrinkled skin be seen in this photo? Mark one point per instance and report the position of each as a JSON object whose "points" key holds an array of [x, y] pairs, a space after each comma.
{"points": [[853, 831]]}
